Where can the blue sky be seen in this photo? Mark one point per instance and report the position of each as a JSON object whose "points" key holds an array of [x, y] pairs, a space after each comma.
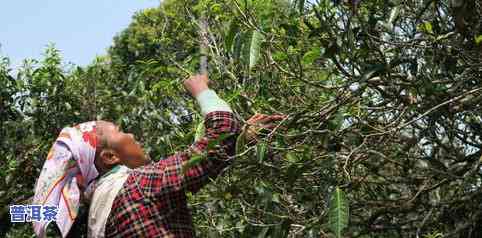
{"points": [[80, 29]]}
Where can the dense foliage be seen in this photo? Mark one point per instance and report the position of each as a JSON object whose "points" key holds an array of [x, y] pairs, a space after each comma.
{"points": [[384, 99]]}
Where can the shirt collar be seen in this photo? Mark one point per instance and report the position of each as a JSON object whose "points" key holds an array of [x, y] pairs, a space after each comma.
{"points": [[116, 169]]}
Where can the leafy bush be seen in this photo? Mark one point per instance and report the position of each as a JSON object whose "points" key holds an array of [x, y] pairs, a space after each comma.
{"points": [[384, 101]]}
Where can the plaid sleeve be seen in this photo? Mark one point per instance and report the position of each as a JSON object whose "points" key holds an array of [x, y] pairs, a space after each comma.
{"points": [[169, 177]]}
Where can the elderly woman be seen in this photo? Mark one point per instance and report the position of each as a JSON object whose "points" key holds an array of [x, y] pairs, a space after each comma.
{"points": [[130, 195]]}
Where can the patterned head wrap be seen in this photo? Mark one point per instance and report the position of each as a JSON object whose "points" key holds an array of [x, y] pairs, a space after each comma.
{"points": [[66, 173]]}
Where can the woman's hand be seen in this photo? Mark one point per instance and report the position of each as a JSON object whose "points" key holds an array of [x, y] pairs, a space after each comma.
{"points": [[196, 84], [258, 122]]}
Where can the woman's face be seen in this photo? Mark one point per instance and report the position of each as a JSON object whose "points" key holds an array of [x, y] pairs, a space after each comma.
{"points": [[129, 151]]}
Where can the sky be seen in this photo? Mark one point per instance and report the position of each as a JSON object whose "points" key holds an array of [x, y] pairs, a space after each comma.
{"points": [[79, 29]]}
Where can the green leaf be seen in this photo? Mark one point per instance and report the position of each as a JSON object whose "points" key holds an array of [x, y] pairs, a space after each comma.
{"points": [[373, 71], [215, 142], [199, 131], [337, 121], [263, 232], [261, 148], [478, 39], [393, 14], [216, 9], [255, 47], [338, 212], [232, 32], [426, 27], [312, 55], [291, 157], [301, 5], [241, 143], [238, 47], [195, 160], [434, 234]]}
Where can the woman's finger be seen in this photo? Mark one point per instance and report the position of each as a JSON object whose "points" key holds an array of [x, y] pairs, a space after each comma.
{"points": [[253, 118], [269, 126], [270, 118], [278, 117]]}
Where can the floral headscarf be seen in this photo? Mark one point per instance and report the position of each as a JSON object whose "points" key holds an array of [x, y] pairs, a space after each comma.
{"points": [[67, 171]]}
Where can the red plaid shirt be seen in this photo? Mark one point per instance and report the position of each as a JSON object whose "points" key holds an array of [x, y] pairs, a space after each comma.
{"points": [[152, 202]]}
